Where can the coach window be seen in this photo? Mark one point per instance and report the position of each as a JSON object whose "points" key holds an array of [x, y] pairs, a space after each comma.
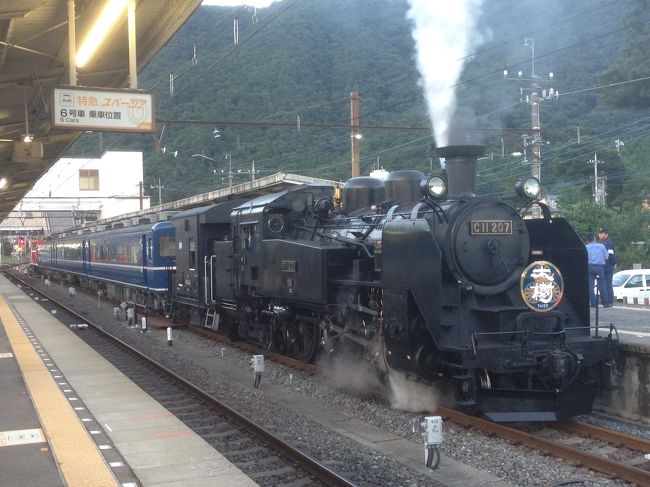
{"points": [[120, 253], [89, 179], [135, 253], [75, 251], [192, 250], [166, 247]]}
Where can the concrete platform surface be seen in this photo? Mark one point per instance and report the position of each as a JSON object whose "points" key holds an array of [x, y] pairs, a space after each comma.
{"points": [[158, 448]]}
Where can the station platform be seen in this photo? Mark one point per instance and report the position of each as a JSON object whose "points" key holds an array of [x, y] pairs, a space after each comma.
{"points": [[629, 393], [69, 418]]}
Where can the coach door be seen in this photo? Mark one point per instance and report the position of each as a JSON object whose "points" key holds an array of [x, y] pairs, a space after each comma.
{"points": [[144, 257], [85, 257]]}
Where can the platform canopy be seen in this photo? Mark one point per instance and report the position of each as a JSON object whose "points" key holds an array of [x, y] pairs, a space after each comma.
{"points": [[34, 47]]}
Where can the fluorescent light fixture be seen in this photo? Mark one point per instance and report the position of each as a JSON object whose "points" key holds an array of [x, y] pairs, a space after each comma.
{"points": [[104, 23], [3, 183]]}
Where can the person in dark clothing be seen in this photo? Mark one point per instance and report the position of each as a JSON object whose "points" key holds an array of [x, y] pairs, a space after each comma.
{"points": [[596, 256], [610, 265]]}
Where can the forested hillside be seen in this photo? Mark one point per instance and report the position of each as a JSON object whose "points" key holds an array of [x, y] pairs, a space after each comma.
{"points": [[302, 58]]}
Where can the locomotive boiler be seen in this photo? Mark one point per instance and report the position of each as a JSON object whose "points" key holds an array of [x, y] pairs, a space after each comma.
{"points": [[419, 275]]}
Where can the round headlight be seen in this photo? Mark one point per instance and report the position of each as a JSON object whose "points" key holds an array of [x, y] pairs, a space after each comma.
{"points": [[529, 188], [437, 186]]}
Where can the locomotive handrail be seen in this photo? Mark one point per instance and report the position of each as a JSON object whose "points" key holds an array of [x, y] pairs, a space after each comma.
{"points": [[389, 215], [212, 257], [611, 328], [524, 341], [341, 239], [415, 211], [205, 278], [522, 332]]}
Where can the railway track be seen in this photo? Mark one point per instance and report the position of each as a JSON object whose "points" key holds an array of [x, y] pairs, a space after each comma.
{"points": [[264, 457], [573, 453]]}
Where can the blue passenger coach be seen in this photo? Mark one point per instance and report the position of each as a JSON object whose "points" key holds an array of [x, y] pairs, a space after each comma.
{"points": [[137, 257]]}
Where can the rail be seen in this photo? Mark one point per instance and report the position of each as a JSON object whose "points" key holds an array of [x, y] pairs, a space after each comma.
{"points": [[309, 464], [589, 460]]}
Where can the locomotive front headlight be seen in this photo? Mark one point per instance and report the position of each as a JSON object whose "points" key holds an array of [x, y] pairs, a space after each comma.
{"points": [[436, 186], [529, 188]]}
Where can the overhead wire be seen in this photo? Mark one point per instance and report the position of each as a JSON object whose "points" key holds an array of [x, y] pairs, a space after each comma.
{"points": [[259, 29], [545, 54], [218, 25]]}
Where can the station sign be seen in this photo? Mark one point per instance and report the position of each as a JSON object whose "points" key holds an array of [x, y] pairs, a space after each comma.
{"points": [[81, 108]]}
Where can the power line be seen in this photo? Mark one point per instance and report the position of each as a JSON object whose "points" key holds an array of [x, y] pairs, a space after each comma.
{"points": [[293, 125], [545, 30], [226, 19], [605, 86], [546, 54], [238, 45]]}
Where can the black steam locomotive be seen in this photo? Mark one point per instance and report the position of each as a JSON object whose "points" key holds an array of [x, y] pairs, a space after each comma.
{"points": [[417, 274], [420, 275]]}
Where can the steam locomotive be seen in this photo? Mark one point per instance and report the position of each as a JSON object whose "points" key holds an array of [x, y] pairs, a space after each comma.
{"points": [[418, 274]]}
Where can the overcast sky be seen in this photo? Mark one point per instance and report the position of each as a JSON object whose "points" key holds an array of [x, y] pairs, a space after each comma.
{"points": [[230, 3]]}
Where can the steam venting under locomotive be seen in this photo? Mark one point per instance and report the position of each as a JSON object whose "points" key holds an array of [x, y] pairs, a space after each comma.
{"points": [[418, 274]]}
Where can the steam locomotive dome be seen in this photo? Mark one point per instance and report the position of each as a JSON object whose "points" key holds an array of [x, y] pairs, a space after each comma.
{"points": [[403, 186], [488, 246], [362, 192]]}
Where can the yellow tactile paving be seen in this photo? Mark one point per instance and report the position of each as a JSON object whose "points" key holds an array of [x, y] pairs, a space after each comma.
{"points": [[77, 456]]}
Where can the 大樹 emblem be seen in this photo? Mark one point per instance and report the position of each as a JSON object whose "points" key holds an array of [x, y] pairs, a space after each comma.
{"points": [[541, 286]]}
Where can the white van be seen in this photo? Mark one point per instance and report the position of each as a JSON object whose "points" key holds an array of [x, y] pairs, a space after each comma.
{"points": [[630, 284]]}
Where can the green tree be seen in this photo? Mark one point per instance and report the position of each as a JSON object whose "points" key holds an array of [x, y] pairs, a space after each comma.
{"points": [[629, 229], [632, 62]]}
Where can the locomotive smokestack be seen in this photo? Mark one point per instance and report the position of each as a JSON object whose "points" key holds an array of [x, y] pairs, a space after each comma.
{"points": [[460, 165]]}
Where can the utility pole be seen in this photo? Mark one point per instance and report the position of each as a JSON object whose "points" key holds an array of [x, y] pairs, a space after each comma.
{"points": [[599, 182], [534, 96], [140, 185], [229, 159], [355, 136], [159, 187]]}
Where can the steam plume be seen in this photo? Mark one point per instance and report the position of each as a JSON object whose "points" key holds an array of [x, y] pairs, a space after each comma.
{"points": [[444, 35]]}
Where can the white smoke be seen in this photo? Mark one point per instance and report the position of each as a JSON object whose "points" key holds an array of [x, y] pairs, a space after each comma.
{"points": [[349, 372], [409, 395], [444, 34]]}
